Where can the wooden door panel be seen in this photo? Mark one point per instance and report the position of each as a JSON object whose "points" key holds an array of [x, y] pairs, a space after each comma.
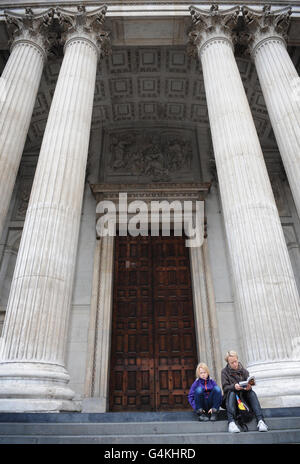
{"points": [[175, 352], [153, 355], [132, 327]]}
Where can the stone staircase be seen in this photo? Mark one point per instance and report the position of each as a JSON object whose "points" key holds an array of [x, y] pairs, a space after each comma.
{"points": [[143, 428]]}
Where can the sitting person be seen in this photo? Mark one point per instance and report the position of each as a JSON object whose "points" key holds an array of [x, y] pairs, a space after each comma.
{"points": [[231, 375], [205, 396]]}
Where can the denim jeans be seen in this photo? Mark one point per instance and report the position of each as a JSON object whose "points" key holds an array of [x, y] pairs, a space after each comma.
{"points": [[250, 398], [213, 401]]}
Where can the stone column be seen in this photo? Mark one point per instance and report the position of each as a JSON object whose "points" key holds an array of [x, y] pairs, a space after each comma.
{"points": [[280, 85], [267, 301], [18, 90], [32, 372]]}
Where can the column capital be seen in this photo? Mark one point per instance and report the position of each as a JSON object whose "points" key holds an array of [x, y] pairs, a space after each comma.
{"points": [[30, 28], [210, 25], [264, 25], [85, 26]]}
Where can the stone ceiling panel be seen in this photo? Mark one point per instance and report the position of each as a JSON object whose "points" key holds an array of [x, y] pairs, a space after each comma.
{"points": [[149, 84]]}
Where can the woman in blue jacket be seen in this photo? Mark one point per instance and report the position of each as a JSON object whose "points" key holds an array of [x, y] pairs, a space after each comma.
{"points": [[205, 396]]}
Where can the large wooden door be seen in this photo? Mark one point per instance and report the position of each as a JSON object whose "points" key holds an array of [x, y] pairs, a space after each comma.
{"points": [[132, 355], [153, 349]]}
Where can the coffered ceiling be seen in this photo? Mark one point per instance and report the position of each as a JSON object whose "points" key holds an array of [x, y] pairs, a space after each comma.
{"points": [[151, 84], [149, 77]]}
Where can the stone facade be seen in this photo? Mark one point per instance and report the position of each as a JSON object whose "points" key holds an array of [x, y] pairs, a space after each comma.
{"points": [[167, 103]]}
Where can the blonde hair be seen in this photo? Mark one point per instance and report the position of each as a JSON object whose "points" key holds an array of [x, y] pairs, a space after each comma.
{"points": [[231, 353], [204, 366]]}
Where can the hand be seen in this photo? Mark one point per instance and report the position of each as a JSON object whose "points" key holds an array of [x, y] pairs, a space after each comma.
{"points": [[248, 387], [238, 387]]}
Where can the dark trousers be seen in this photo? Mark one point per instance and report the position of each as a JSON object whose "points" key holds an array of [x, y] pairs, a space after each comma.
{"points": [[250, 398], [213, 401]]}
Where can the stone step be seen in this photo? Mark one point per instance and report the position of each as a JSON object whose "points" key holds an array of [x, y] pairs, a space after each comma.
{"points": [[272, 437], [137, 428], [167, 416], [143, 428]]}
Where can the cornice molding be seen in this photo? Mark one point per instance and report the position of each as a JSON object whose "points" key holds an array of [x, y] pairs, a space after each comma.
{"points": [[150, 192]]}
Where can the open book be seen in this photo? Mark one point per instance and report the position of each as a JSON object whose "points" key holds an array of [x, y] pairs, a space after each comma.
{"points": [[250, 380]]}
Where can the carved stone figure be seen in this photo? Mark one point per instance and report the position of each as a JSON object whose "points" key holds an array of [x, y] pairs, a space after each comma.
{"points": [[152, 155]]}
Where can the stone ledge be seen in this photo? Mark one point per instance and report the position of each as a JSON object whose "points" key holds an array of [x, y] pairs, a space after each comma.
{"points": [[74, 417]]}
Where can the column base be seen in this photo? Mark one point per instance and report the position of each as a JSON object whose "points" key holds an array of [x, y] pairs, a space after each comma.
{"points": [[291, 401], [35, 387], [38, 405], [277, 383]]}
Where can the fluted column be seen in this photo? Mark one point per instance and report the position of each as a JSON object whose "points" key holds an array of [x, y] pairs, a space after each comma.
{"points": [[267, 301], [19, 86], [32, 371], [280, 85]]}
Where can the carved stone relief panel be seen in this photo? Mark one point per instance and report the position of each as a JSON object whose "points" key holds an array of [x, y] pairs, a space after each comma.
{"points": [[150, 155]]}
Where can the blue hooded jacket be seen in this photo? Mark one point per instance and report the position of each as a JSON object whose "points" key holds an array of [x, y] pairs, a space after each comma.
{"points": [[208, 384]]}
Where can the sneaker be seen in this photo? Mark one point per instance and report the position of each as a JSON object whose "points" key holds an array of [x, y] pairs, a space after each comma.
{"points": [[233, 428], [213, 416], [262, 427], [199, 412], [203, 417]]}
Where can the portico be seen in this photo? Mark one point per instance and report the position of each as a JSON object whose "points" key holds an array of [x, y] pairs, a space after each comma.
{"points": [[190, 131]]}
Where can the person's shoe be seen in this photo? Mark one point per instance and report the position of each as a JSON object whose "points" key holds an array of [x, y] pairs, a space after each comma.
{"points": [[214, 413], [262, 427], [199, 412], [233, 428], [203, 417]]}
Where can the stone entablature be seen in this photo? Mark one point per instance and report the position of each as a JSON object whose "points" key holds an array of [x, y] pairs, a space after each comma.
{"points": [[162, 23]]}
